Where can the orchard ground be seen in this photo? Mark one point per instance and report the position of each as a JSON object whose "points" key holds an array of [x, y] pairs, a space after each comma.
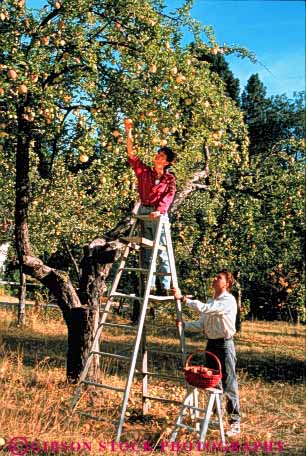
{"points": [[35, 401]]}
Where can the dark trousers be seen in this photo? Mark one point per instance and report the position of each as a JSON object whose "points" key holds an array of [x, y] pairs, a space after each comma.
{"points": [[224, 349]]}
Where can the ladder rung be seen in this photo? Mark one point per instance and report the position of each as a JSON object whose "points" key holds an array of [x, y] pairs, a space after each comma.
{"points": [[117, 325], [163, 274], [184, 426], [123, 295], [134, 269], [192, 407], [162, 399], [169, 377], [101, 385], [161, 298], [111, 355]]}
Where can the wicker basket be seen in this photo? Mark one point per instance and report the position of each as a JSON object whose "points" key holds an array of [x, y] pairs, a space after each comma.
{"points": [[198, 375]]}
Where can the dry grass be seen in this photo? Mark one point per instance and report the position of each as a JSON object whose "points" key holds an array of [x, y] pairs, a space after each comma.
{"points": [[35, 399]]}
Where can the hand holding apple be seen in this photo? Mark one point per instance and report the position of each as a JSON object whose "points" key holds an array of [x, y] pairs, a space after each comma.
{"points": [[128, 125]]}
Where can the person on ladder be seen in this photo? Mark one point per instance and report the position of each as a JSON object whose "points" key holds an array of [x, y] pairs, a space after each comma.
{"points": [[156, 187], [217, 321]]}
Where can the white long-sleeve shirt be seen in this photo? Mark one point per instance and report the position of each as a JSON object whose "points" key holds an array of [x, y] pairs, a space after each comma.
{"points": [[218, 316]]}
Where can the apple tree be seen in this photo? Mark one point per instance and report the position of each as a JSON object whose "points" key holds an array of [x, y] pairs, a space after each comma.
{"points": [[69, 75]]}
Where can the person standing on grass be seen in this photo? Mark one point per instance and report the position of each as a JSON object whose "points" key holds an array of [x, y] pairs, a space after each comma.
{"points": [[217, 321], [157, 187]]}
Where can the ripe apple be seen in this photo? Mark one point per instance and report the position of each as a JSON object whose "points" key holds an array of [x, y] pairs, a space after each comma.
{"points": [[116, 133], [12, 74], [155, 140], [22, 89], [166, 130], [209, 373], [84, 158], [173, 71], [180, 79], [44, 40], [1, 91], [188, 101], [215, 51], [57, 5], [2, 17], [153, 68], [163, 142], [34, 77]]}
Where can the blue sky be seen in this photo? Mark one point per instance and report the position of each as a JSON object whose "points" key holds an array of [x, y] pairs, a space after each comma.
{"points": [[273, 29]]}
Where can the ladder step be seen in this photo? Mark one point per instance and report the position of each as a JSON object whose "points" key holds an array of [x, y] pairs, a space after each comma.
{"points": [[164, 274], [141, 241], [101, 385], [161, 298], [192, 407], [162, 399], [134, 269], [117, 325], [184, 426], [111, 355], [168, 377], [123, 295]]}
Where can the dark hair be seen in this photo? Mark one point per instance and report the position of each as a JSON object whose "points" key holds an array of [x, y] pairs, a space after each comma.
{"points": [[229, 277], [171, 156]]}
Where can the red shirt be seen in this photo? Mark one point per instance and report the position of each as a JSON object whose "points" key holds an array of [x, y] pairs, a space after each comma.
{"points": [[154, 191]]}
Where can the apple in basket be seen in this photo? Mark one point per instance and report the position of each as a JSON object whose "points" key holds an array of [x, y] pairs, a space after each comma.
{"points": [[204, 370], [209, 373]]}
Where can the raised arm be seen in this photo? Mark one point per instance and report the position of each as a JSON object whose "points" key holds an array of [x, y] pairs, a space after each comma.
{"points": [[128, 124]]}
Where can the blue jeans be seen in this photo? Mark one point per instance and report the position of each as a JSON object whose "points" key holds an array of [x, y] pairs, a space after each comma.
{"points": [[224, 349], [149, 232]]}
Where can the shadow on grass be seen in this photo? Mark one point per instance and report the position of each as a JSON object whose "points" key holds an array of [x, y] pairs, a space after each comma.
{"points": [[37, 349], [267, 366]]}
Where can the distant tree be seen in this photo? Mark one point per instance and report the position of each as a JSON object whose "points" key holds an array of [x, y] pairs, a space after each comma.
{"points": [[219, 65], [254, 104]]}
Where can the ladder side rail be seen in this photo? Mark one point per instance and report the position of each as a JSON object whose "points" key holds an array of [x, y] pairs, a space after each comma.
{"points": [[139, 332], [179, 421], [175, 285]]}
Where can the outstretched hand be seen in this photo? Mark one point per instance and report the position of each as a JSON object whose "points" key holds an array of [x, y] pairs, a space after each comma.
{"points": [[128, 125]]}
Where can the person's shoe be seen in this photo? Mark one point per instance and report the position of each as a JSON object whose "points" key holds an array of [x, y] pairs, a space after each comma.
{"points": [[234, 430]]}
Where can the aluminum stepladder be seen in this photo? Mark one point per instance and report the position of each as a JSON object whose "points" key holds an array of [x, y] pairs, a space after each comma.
{"points": [[201, 425], [133, 242]]}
